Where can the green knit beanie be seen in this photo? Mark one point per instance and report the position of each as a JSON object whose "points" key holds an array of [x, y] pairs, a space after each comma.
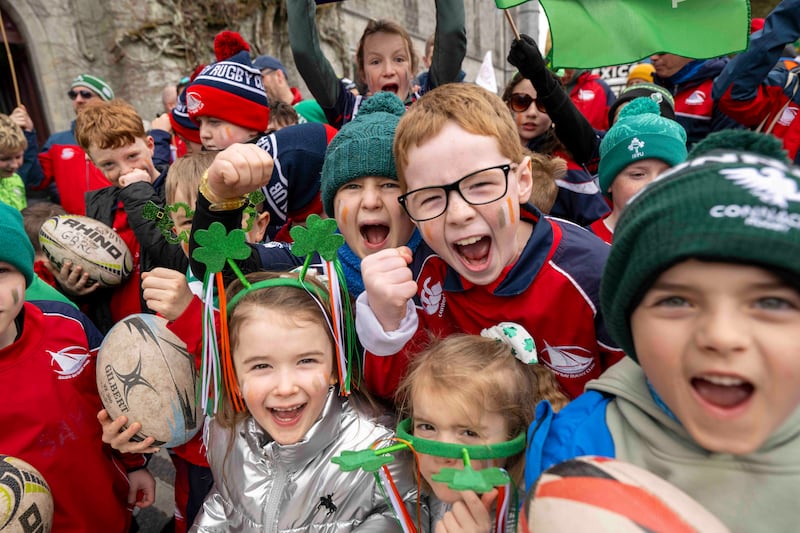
{"points": [[15, 246], [363, 147], [97, 85], [639, 133], [723, 205]]}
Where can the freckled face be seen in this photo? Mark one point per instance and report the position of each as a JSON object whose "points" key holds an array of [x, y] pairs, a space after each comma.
{"points": [[284, 366], [116, 162], [478, 241], [12, 298], [217, 134]]}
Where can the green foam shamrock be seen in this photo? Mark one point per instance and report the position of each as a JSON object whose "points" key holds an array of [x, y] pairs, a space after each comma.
{"points": [[366, 459], [470, 479], [319, 236], [218, 246], [253, 199]]}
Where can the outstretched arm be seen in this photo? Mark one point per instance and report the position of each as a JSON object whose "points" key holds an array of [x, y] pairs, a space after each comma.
{"points": [[450, 42], [312, 64]]}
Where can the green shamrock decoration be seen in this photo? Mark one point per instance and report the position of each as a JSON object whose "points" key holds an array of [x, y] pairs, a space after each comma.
{"points": [[218, 246], [151, 211], [479, 481], [319, 236], [510, 331], [253, 199], [366, 459]]}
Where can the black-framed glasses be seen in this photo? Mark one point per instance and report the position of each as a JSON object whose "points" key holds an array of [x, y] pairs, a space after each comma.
{"points": [[477, 188], [520, 102], [86, 95]]}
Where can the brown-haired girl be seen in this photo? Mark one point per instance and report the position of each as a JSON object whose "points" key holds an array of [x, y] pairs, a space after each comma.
{"points": [[385, 58]]}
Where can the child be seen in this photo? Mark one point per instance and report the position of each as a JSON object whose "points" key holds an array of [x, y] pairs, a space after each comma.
{"points": [[112, 135], [359, 190], [271, 463], [12, 148], [230, 111], [490, 259], [385, 58], [701, 291], [49, 396], [641, 145], [474, 390]]}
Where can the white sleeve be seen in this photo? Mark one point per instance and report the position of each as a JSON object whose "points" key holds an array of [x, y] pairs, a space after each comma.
{"points": [[371, 333]]}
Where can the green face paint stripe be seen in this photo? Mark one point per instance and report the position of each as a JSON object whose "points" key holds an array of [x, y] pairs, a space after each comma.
{"points": [[499, 450]]}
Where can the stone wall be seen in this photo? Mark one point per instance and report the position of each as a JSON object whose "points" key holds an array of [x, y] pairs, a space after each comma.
{"points": [[139, 46]]}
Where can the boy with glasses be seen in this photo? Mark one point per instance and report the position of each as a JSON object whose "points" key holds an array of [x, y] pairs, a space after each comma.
{"points": [[488, 256]]}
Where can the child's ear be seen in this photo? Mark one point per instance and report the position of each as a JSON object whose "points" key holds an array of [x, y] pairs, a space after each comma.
{"points": [[151, 144], [259, 228], [524, 180]]}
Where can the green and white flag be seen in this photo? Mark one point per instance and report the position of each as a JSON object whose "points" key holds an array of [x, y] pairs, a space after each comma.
{"points": [[599, 33]]}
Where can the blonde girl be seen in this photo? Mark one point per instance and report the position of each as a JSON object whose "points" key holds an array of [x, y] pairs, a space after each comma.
{"points": [[471, 390]]}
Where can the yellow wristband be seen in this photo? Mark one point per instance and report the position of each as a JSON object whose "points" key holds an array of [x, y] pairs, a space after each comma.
{"points": [[217, 203]]}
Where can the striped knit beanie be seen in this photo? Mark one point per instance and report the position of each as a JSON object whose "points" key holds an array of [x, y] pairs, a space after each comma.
{"points": [[181, 123], [729, 204], [230, 89], [97, 85]]}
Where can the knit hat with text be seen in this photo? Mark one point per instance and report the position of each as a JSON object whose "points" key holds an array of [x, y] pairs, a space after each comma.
{"points": [[179, 116], [736, 200], [639, 133], [363, 147], [230, 89]]}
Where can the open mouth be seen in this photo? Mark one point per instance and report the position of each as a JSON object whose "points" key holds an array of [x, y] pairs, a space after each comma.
{"points": [[375, 235], [725, 392], [286, 416], [391, 87], [474, 251]]}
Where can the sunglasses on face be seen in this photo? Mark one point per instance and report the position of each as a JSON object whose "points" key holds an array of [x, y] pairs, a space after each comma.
{"points": [[86, 95], [520, 102]]}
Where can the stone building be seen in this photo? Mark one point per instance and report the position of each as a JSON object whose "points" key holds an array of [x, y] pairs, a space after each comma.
{"points": [[139, 46]]}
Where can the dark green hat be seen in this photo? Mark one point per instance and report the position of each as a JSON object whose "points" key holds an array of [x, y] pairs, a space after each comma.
{"points": [[639, 133], [15, 246], [723, 205], [97, 85], [363, 147]]}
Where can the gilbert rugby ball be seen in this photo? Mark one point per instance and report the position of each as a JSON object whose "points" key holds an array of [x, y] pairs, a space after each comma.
{"points": [[145, 373], [89, 243], [25, 500]]}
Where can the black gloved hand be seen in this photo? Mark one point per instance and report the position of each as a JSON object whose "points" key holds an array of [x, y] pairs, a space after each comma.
{"points": [[524, 54]]}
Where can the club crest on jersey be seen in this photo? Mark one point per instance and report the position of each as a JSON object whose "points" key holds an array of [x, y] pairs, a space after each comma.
{"points": [[696, 98], [585, 95], [571, 361], [69, 362], [432, 298]]}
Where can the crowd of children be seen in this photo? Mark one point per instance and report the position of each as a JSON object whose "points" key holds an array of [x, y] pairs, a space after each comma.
{"points": [[512, 283]]}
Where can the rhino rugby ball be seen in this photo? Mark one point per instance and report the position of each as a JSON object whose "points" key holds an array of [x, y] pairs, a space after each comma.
{"points": [[89, 243], [25, 500], [146, 373]]}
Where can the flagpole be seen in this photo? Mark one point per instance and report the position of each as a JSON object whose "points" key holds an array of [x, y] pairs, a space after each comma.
{"points": [[10, 60], [511, 22]]}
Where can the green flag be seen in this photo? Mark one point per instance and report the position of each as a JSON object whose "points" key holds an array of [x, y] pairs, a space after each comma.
{"points": [[599, 33]]}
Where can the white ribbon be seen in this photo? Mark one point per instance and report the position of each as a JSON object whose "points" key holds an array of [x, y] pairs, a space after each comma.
{"points": [[517, 338]]}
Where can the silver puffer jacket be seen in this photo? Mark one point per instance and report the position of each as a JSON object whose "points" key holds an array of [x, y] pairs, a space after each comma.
{"points": [[263, 486]]}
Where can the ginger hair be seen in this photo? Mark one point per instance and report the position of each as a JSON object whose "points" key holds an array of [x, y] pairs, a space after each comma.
{"points": [[470, 107], [108, 125], [480, 374]]}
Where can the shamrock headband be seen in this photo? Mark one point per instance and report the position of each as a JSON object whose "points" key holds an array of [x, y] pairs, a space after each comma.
{"points": [[517, 338], [218, 248], [161, 216]]}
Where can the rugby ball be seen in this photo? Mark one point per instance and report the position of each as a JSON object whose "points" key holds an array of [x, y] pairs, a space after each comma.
{"points": [[25, 500], [145, 372], [89, 243], [593, 494]]}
